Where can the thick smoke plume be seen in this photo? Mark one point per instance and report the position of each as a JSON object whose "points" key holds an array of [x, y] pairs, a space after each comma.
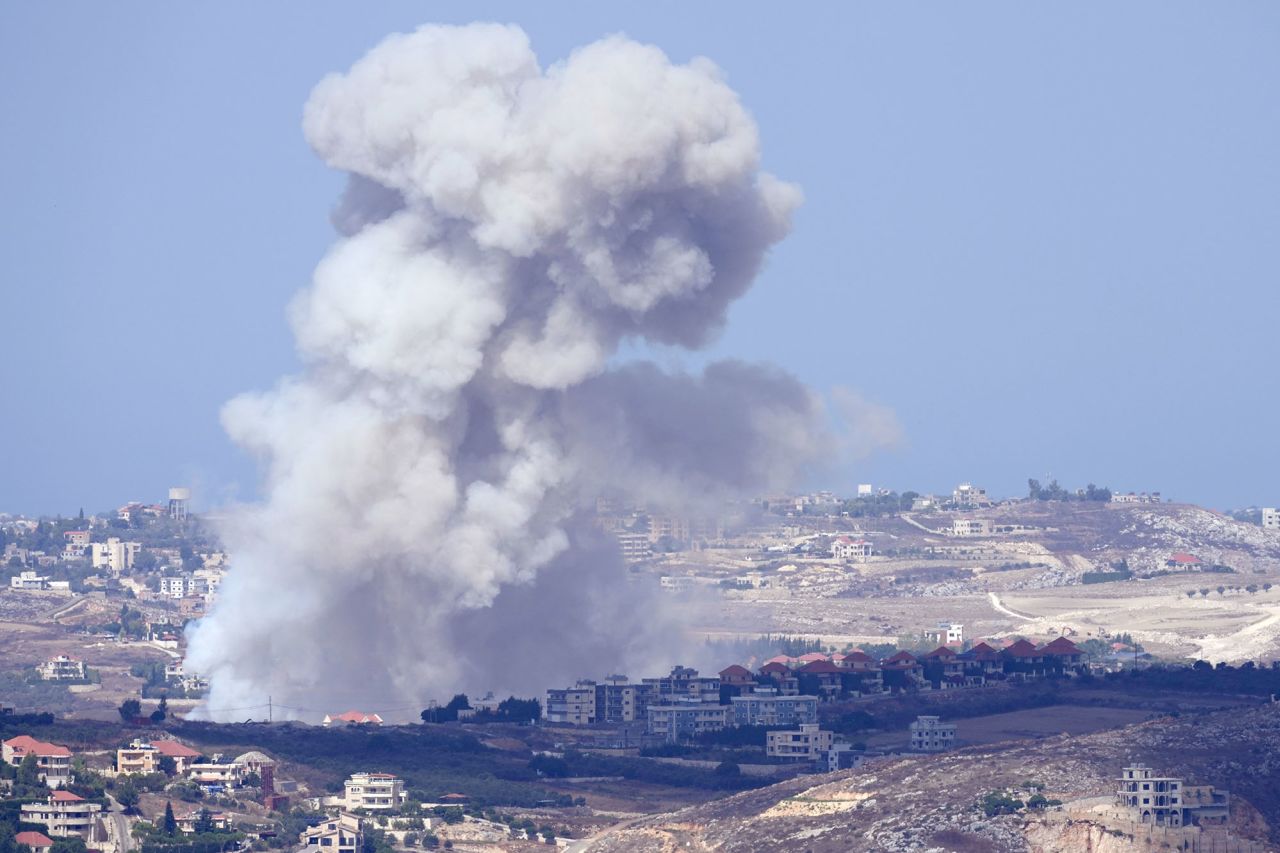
{"points": [[504, 228]]}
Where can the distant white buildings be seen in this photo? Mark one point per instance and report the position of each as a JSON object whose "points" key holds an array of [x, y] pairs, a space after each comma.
{"points": [[1271, 518], [969, 496], [634, 546], [374, 791], [677, 583], [864, 490], [1135, 498], [114, 555], [62, 668], [929, 734], [1166, 801], [950, 634], [30, 581], [848, 548], [971, 527], [682, 720]]}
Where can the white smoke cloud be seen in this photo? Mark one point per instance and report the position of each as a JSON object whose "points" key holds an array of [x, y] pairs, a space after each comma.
{"points": [[504, 228]]}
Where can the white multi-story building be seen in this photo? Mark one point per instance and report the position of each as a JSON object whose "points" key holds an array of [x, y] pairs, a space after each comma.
{"points": [[971, 527], [968, 496], [766, 707], [374, 791], [177, 586], [1271, 518], [114, 555], [342, 834], [809, 743], [63, 814], [929, 734], [634, 546], [848, 548], [62, 668], [77, 544]]}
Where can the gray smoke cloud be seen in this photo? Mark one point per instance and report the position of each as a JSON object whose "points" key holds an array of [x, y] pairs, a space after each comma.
{"points": [[505, 227]]}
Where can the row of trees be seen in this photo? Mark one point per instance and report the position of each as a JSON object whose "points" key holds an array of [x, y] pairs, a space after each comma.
{"points": [[509, 710], [1055, 492]]}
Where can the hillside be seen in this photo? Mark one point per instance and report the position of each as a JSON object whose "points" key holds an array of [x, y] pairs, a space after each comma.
{"points": [[931, 803]]}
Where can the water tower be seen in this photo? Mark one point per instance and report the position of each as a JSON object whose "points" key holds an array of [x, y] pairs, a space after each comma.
{"points": [[179, 497]]}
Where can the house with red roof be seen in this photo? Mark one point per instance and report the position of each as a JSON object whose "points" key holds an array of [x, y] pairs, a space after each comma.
{"points": [[352, 718], [52, 760], [944, 669], [782, 677], [901, 671], [825, 674], [1183, 561], [37, 841], [983, 661], [63, 814], [736, 676], [1062, 655]]}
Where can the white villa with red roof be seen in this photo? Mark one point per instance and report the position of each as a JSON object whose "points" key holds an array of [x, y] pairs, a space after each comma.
{"points": [[53, 761], [37, 841], [63, 814]]}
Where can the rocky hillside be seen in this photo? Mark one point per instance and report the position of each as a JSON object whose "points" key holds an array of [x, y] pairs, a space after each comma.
{"points": [[932, 803]]}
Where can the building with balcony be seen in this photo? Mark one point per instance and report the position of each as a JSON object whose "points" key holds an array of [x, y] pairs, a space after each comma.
{"points": [[63, 814], [1166, 801], [572, 706], [342, 834], [52, 761], [766, 707], [62, 668], [684, 719], [808, 743], [930, 734], [374, 791]]}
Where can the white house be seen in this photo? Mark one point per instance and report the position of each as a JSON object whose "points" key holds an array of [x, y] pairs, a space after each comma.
{"points": [[848, 548], [373, 791]]}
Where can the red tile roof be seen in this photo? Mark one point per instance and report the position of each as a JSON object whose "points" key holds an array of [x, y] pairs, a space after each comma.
{"points": [[1022, 649], [173, 749], [22, 744], [355, 717], [33, 839], [1061, 646], [736, 670], [811, 656], [903, 656], [941, 652], [1184, 559], [773, 666], [61, 796], [982, 652], [856, 656], [819, 667]]}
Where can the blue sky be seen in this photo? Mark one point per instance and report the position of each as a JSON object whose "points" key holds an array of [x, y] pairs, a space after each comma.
{"points": [[1047, 236]]}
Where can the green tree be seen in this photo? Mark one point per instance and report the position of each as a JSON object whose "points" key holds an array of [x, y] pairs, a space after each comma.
{"points": [[204, 822], [170, 825], [126, 794], [130, 710], [29, 772], [161, 711], [167, 765]]}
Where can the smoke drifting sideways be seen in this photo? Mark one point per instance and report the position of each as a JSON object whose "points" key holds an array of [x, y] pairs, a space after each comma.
{"points": [[424, 527]]}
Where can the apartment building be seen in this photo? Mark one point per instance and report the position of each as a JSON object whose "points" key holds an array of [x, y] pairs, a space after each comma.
{"points": [[374, 791], [176, 586], [63, 814], [342, 834], [1271, 518], [619, 701], [52, 760], [62, 668], [808, 743], [634, 546], [76, 545], [114, 555], [969, 496], [930, 734], [684, 719], [574, 706], [766, 707], [684, 683]]}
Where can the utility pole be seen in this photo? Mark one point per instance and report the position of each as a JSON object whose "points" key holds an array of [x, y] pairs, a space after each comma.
{"points": [[270, 711]]}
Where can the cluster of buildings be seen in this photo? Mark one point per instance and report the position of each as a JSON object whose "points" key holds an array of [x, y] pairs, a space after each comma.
{"points": [[639, 530], [786, 691]]}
